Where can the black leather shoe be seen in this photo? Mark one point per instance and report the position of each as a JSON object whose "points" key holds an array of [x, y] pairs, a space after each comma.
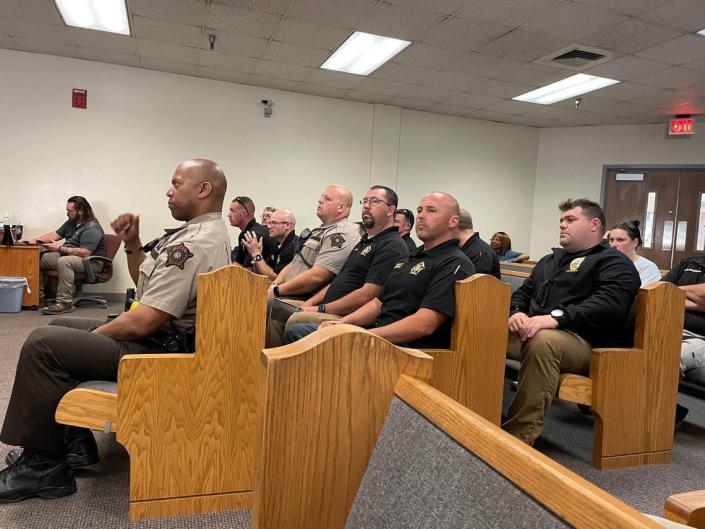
{"points": [[34, 475], [81, 449], [681, 412]]}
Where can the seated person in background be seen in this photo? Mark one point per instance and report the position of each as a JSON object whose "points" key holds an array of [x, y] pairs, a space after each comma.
{"points": [[367, 267], [83, 236], [56, 358], [577, 298], [502, 245], [321, 256], [242, 215], [361, 228], [626, 237], [267, 214], [404, 220], [478, 251], [416, 306], [281, 230]]}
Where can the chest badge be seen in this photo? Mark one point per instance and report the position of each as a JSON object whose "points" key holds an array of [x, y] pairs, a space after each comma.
{"points": [[574, 265], [417, 268], [398, 265], [178, 255], [337, 240], [366, 250]]}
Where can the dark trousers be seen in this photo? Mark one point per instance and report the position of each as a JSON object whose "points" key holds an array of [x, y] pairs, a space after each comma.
{"points": [[54, 360]]}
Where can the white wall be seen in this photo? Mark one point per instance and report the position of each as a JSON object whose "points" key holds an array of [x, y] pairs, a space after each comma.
{"points": [[121, 151], [571, 161]]}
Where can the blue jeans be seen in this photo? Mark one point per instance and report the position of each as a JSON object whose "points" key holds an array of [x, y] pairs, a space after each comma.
{"points": [[299, 330]]}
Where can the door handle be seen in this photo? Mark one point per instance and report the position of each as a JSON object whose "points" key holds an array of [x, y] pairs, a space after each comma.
{"points": [[667, 238], [681, 233]]}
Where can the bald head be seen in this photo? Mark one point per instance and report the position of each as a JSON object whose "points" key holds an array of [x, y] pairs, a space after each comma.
{"points": [[334, 204], [197, 187], [437, 219], [281, 223]]}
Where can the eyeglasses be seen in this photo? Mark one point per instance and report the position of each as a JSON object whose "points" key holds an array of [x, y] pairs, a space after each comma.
{"points": [[374, 201], [277, 222]]}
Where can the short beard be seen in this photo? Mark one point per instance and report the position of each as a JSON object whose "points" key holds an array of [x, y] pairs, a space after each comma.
{"points": [[369, 223]]}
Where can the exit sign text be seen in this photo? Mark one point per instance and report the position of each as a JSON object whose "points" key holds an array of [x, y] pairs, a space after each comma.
{"points": [[680, 126]]}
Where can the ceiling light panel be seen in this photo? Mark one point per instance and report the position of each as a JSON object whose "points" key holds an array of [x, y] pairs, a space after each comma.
{"points": [[101, 15], [570, 87], [362, 53]]}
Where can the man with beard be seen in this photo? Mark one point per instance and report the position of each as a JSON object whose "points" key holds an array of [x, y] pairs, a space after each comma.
{"points": [[368, 266]]}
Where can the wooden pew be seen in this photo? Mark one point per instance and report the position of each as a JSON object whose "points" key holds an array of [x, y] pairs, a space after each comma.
{"points": [[632, 392], [687, 508], [472, 370], [188, 421], [325, 400]]}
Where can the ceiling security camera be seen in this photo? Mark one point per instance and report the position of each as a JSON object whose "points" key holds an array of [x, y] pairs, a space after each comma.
{"points": [[267, 102]]}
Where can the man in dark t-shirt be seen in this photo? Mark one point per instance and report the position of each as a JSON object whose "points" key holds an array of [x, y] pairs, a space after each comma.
{"points": [[281, 225], [481, 254], [404, 220], [416, 306], [242, 215], [83, 236]]}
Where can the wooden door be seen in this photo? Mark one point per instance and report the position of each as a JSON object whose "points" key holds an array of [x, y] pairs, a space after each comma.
{"points": [[689, 238]]}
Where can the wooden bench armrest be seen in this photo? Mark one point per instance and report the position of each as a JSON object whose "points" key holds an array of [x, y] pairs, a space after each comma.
{"points": [[605, 351], [575, 388], [438, 352], [88, 408], [687, 508]]}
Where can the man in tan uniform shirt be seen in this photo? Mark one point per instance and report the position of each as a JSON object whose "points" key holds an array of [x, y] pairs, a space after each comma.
{"points": [[57, 358], [320, 258]]}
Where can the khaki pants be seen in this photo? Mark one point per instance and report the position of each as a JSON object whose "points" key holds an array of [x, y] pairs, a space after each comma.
{"points": [[543, 357], [66, 266]]}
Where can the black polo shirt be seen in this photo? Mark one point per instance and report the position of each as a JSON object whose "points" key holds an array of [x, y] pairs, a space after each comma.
{"points": [[88, 235], [425, 280], [371, 261], [482, 256], [283, 253], [690, 271], [241, 256], [410, 244]]}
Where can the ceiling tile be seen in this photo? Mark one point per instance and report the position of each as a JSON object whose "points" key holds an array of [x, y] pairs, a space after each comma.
{"points": [[420, 54], [501, 89], [696, 65], [36, 10], [437, 95], [684, 15], [524, 45], [366, 97], [473, 101], [662, 99], [571, 22], [680, 50], [695, 106], [242, 21], [167, 52], [41, 46], [589, 102], [320, 90], [335, 79], [697, 89], [443, 7], [311, 34], [191, 12], [291, 54], [410, 103], [393, 21], [551, 112], [519, 120], [454, 81], [89, 38], [676, 77], [229, 43], [481, 65], [510, 107], [222, 75], [382, 86], [7, 42], [346, 13], [227, 62], [167, 66], [280, 70], [466, 34], [511, 12], [268, 6], [181, 34], [405, 73], [626, 91], [114, 57], [28, 29], [627, 7], [629, 36], [449, 110], [272, 82], [626, 68], [534, 74], [627, 109]]}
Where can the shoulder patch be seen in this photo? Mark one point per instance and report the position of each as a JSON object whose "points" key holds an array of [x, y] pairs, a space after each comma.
{"points": [[177, 255], [337, 240]]}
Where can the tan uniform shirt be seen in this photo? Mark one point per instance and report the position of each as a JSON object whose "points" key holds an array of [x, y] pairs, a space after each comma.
{"points": [[169, 274], [327, 247]]}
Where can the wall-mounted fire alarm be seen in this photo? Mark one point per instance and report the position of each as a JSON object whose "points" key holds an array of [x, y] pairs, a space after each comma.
{"points": [[79, 98]]}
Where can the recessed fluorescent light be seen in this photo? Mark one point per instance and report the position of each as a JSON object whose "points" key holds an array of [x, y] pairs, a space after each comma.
{"points": [[103, 15], [572, 86], [702, 32], [363, 53]]}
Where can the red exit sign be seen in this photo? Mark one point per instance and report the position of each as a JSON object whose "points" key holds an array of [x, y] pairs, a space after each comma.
{"points": [[680, 126]]}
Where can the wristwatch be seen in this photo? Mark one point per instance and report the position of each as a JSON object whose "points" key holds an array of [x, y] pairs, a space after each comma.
{"points": [[275, 290], [322, 307], [558, 315], [257, 258]]}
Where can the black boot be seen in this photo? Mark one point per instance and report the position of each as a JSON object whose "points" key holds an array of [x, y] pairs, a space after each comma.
{"points": [[36, 474], [81, 448]]}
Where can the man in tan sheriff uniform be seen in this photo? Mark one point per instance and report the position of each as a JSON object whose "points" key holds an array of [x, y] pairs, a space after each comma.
{"points": [[319, 259], [56, 358]]}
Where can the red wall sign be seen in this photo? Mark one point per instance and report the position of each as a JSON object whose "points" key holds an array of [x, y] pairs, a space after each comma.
{"points": [[680, 126], [79, 99]]}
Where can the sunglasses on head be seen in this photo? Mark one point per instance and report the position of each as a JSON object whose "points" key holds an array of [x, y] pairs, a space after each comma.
{"points": [[241, 201]]}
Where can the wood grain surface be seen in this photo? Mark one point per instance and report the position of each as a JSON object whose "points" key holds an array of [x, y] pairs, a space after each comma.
{"points": [[22, 261], [88, 408], [687, 508]]}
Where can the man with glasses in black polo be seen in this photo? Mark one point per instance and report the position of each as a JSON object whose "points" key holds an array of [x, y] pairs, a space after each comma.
{"points": [[404, 220], [281, 224], [242, 215], [578, 297]]}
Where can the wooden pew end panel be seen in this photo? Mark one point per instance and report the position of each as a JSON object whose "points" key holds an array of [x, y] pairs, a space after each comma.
{"points": [[687, 508]]}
